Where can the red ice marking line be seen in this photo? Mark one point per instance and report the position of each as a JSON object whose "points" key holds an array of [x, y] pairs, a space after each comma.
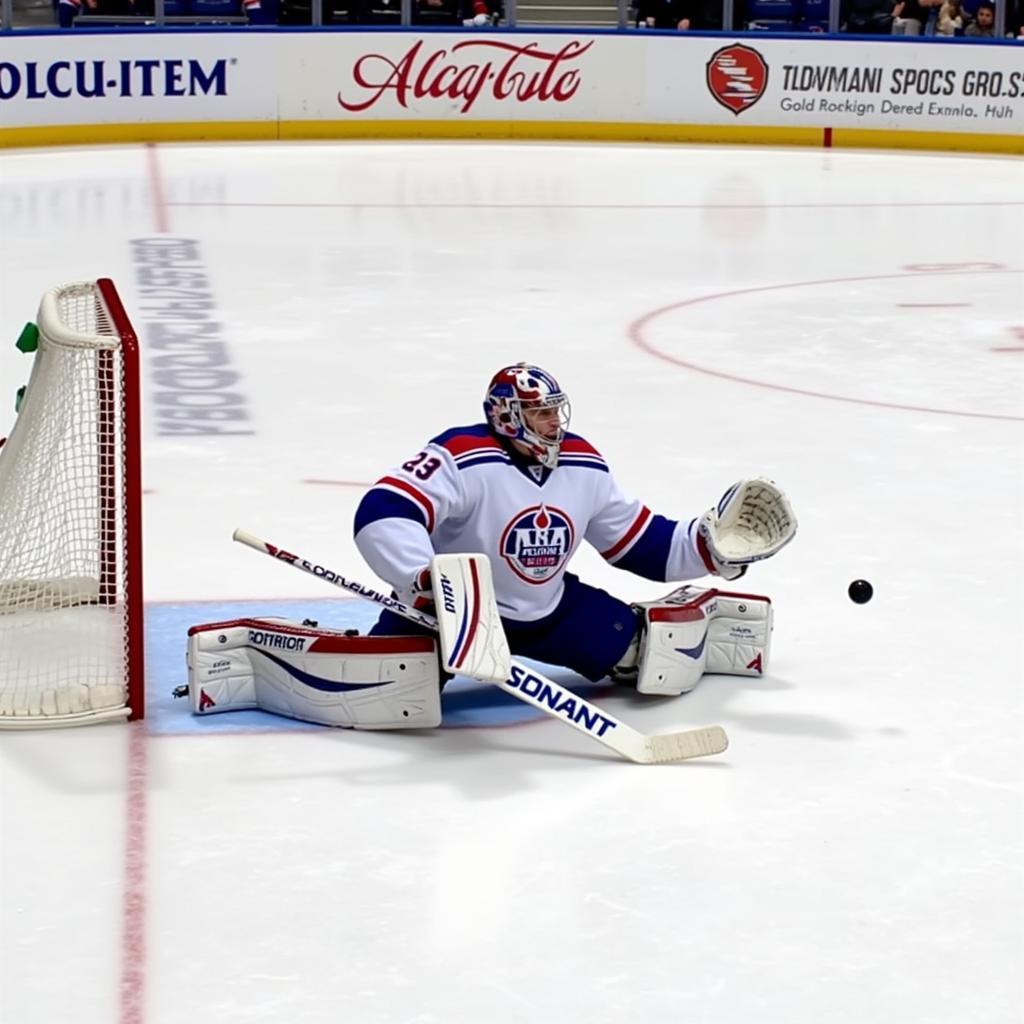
{"points": [[1018, 333], [133, 922], [156, 191], [636, 329]]}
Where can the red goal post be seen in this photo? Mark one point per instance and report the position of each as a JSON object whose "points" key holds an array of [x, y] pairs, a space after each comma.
{"points": [[71, 613]]}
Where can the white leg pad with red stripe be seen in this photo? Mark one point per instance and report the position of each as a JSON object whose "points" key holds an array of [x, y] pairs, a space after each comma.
{"points": [[317, 675], [473, 641], [693, 631]]}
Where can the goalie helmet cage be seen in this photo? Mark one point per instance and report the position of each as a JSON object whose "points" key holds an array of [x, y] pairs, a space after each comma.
{"points": [[71, 615]]}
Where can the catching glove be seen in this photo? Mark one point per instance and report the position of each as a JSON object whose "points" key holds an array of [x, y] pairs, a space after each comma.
{"points": [[752, 521]]}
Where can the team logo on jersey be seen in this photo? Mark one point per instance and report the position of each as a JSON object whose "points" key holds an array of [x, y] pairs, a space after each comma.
{"points": [[537, 543], [737, 77]]}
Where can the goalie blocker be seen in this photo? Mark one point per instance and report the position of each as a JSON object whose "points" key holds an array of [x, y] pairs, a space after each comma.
{"points": [[325, 676]]}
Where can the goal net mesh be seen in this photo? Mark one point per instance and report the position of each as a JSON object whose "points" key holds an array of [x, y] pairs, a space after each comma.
{"points": [[63, 635]]}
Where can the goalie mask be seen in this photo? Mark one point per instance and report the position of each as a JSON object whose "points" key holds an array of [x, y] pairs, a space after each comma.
{"points": [[525, 404]]}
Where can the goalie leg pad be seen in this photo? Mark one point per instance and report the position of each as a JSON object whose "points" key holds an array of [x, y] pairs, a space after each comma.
{"points": [[693, 631], [740, 635], [316, 675]]}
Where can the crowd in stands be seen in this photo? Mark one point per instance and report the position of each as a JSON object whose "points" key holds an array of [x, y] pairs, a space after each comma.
{"points": [[972, 19], [467, 13]]}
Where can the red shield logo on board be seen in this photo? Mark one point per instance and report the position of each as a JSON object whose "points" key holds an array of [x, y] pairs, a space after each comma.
{"points": [[737, 77]]}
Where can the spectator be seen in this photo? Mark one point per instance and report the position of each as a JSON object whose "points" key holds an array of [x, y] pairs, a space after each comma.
{"points": [[916, 17], [868, 17], [479, 13], [931, 21], [1015, 21], [670, 14], [909, 18], [67, 11], [984, 24], [260, 12], [951, 19]]}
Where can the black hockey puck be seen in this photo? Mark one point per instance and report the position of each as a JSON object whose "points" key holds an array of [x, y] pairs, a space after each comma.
{"points": [[860, 591]]}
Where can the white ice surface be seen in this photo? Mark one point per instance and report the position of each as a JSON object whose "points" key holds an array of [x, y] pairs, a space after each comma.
{"points": [[716, 313]]}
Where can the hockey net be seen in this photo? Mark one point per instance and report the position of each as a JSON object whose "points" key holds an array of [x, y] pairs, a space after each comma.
{"points": [[70, 521]]}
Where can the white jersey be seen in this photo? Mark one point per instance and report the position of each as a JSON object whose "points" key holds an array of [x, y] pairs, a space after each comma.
{"points": [[466, 492]]}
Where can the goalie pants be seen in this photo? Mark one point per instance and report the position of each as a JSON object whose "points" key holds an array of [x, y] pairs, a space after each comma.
{"points": [[588, 632]]}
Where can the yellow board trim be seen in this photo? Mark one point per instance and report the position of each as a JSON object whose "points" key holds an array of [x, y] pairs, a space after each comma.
{"points": [[569, 131], [873, 138], [550, 131], [112, 134]]}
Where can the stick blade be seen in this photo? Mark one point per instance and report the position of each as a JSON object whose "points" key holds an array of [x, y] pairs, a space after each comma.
{"points": [[683, 746]]}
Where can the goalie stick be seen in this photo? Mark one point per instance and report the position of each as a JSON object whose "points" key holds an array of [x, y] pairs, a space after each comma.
{"points": [[531, 687]]}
